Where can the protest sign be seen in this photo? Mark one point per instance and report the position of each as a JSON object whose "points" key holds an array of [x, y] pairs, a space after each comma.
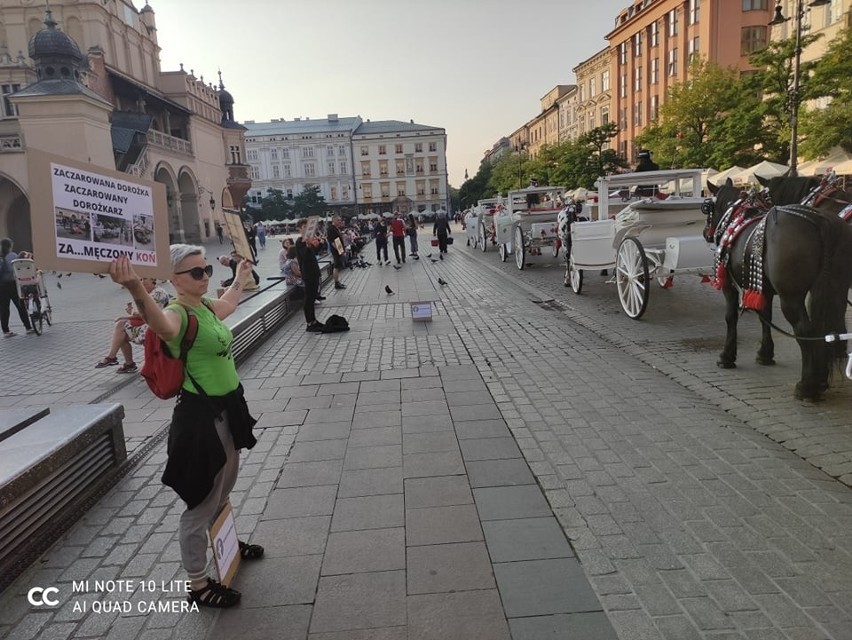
{"points": [[235, 228]]}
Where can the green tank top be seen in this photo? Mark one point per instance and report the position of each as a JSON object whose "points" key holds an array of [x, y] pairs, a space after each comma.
{"points": [[210, 360]]}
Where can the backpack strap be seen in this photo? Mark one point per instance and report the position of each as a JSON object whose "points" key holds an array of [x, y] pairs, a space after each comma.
{"points": [[188, 339]]}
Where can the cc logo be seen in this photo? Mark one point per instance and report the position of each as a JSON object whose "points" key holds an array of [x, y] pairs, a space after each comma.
{"points": [[40, 596]]}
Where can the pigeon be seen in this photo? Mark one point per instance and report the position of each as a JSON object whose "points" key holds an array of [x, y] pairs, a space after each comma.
{"points": [[397, 267], [101, 276], [433, 259], [59, 275], [442, 282], [388, 290], [68, 274], [428, 255], [59, 284]]}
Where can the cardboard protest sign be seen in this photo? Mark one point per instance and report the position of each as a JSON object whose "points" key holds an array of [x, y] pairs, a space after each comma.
{"points": [[226, 547], [85, 216], [234, 228]]}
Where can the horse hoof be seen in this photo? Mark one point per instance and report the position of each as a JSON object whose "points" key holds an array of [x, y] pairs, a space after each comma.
{"points": [[726, 365], [766, 362], [808, 394]]}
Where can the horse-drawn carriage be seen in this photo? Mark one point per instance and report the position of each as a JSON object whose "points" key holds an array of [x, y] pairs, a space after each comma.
{"points": [[478, 219], [527, 225], [649, 239]]}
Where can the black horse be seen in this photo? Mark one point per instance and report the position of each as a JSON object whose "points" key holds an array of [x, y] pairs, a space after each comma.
{"points": [[804, 256]]}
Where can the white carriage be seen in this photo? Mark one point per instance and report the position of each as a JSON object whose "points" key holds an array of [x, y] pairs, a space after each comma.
{"points": [[528, 224], [480, 225], [648, 239]]}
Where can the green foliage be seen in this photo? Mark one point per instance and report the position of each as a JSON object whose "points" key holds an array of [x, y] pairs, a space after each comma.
{"points": [[309, 203], [274, 206], [477, 187]]}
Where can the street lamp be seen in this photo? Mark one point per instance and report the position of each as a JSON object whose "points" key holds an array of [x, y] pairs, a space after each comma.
{"points": [[520, 149], [797, 59]]}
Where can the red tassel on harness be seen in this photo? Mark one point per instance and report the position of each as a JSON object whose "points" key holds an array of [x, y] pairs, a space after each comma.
{"points": [[721, 278], [754, 300]]}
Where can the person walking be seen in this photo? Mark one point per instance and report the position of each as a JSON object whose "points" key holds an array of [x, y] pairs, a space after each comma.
{"points": [[220, 232], [411, 228], [9, 290], [380, 231], [337, 249], [211, 420], [261, 234], [441, 229], [398, 233], [306, 248]]}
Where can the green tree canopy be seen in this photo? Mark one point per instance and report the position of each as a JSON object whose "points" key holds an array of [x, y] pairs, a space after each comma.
{"points": [[476, 188], [274, 206], [310, 202]]}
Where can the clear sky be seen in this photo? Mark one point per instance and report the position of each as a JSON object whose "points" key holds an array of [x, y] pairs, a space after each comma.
{"points": [[477, 68]]}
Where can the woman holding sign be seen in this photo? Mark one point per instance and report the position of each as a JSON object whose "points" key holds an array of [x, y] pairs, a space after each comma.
{"points": [[211, 421]]}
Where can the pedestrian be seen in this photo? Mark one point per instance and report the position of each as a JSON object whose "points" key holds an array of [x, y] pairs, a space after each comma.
{"points": [[412, 234], [261, 234], [646, 164], [337, 250], [9, 290], [130, 329], [398, 234], [442, 230], [380, 232], [306, 255], [220, 232], [293, 275], [286, 243], [251, 236], [211, 420]]}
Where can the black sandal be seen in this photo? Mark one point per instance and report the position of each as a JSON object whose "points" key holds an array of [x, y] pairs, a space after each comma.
{"points": [[215, 595], [250, 551]]}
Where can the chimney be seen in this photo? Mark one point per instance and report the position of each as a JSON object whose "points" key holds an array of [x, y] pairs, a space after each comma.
{"points": [[332, 117], [297, 119]]}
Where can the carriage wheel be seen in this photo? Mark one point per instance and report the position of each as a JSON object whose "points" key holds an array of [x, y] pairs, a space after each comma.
{"points": [[520, 251], [573, 276], [554, 248], [35, 315], [631, 277], [483, 238], [47, 314]]}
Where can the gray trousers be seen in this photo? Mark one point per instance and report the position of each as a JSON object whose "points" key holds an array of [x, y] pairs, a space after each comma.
{"points": [[195, 522]]}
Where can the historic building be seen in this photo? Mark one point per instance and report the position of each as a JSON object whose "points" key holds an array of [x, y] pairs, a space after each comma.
{"points": [[594, 96], [83, 80]]}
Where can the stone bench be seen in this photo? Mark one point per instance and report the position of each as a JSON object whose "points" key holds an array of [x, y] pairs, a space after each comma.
{"points": [[49, 468]]}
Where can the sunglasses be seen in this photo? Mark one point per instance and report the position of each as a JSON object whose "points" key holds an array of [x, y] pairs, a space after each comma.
{"points": [[198, 273]]}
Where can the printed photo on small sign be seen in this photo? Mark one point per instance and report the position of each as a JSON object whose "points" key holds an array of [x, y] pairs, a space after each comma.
{"points": [[226, 547], [421, 311], [235, 229], [94, 215]]}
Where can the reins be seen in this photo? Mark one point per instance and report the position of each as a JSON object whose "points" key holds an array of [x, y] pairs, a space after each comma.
{"points": [[782, 331]]}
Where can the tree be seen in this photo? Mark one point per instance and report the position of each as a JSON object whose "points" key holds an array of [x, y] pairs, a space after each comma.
{"points": [[832, 78], [274, 206], [476, 188], [310, 202]]}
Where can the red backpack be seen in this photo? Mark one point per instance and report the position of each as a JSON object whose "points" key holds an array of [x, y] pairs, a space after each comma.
{"points": [[163, 372]]}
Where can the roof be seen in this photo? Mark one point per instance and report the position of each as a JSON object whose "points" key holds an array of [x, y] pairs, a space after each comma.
{"points": [[294, 127], [59, 87], [392, 126], [230, 124], [115, 73]]}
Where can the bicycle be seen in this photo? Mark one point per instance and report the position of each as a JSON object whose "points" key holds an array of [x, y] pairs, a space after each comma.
{"points": [[33, 293]]}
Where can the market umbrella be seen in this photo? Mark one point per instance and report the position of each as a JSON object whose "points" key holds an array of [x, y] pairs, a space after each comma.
{"points": [[719, 178], [763, 169], [837, 156]]}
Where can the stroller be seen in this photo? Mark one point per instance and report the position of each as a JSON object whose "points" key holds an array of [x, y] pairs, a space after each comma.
{"points": [[33, 293]]}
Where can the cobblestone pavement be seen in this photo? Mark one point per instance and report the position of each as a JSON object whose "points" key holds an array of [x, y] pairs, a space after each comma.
{"points": [[687, 520]]}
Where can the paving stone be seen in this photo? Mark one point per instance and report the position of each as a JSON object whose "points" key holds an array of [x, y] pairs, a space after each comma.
{"points": [[370, 482], [469, 398], [457, 616], [292, 536], [439, 491], [330, 431], [284, 623], [423, 394], [588, 626], [443, 463], [261, 584], [475, 412], [306, 474], [429, 442], [381, 386], [281, 419], [426, 423], [359, 601], [300, 502], [525, 539], [374, 457], [320, 416], [435, 408], [489, 449], [385, 633], [364, 551], [449, 567], [438, 525], [375, 437], [377, 419], [543, 587], [308, 402], [368, 512], [499, 473], [481, 429], [508, 503]]}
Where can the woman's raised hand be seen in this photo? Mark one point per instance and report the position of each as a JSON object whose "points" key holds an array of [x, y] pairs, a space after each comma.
{"points": [[121, 272]]}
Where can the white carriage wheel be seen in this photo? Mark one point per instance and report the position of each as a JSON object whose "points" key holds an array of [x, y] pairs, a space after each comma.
{"points": [[555, 248], [503, 251], [631, 277], [520, 251], [483, 237], [573, 276]]}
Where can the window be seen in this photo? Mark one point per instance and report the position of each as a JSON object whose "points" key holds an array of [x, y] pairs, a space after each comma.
{"points": [[655, 71], [622, 118], [383, 168], [276, 171], [755, 5], [344, 192], [251, 154], [753, 39], [400, 189], [400, 167], [672, 20], [418, 147], [605, 81], [673, 62], [433, 167], [637, 115], [433, 187], [433, 147], [604, 115], [274, 154], [397, 148], [654, 111], [637, 79], [385, 189], [341, 150], [333, 193], [622, 148], [622, 88], [592, 124], [255, 173], [331, 168], [655, 34], [287, 171], [7, 109], [694, 11], [418, 166], [329, 151], [235, 154], [368, 191], [637, 44], [285, 154], [310, 169], [421, 188], [383, 150], [622, 53], [365, 150], [581, 93], [592, 91], [694, 49], [365, 168], [307, 152], [343, 167], [834, 12]]}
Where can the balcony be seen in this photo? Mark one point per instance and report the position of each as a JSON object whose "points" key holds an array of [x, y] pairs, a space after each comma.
{"points": [[164, 141]]}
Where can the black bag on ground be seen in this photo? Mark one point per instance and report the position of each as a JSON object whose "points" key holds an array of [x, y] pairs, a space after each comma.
{"points": [[335, 323]]}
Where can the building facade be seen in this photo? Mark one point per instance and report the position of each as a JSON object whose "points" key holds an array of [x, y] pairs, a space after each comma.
{"points": [[566, 106], [91, 88], [654, 41], [594, 96]]}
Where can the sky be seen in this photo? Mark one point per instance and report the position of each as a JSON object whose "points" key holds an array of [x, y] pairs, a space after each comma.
{"points": [[477, 68]]}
